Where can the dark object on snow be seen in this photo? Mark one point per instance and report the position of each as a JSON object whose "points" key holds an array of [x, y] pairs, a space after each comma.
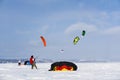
{"points": [[19, 64], [27, 63], [63, 66]]}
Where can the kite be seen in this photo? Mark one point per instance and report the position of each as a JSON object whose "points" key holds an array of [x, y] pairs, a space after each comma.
{"points": [[83, 33], [63, 66], [76, 39], [27, 63], [61, 50], [43, 40]]}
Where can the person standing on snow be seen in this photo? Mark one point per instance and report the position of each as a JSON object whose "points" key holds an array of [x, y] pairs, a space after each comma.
{"points": [[19, 62], [32, 62]]}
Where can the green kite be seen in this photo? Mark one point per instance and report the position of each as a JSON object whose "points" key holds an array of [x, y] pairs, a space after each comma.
{"points": [[76, 39], [83, 33]]}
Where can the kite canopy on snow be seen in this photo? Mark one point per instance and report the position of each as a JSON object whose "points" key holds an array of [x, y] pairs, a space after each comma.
{"points": [[76, 39], [27, 63], [43, 40], [63, 66]]}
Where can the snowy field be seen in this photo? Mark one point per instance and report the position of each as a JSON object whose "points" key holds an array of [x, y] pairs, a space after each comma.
{"points": [[86, 71]]}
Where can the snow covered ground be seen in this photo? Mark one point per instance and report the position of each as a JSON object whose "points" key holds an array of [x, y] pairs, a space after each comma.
{"points": [[86, 71]]}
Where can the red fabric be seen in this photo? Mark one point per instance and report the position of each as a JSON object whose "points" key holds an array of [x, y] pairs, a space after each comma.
{"points": [[31, 60]]}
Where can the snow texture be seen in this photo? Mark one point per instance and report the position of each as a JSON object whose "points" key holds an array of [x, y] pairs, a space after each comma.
{"points": [[86, 71]]}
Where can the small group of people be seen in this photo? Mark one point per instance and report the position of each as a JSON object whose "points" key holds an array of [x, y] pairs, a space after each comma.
{"points": [[31, 61]]}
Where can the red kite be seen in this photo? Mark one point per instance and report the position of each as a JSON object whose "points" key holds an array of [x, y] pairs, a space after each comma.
{"points": [[43, 40]]}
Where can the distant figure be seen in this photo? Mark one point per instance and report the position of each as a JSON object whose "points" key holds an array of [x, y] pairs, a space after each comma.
{"points": [[19, 63], [32, 62]]}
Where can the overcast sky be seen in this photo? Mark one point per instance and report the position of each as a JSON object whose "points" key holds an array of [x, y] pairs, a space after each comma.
{"points": [[22, 22]]}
